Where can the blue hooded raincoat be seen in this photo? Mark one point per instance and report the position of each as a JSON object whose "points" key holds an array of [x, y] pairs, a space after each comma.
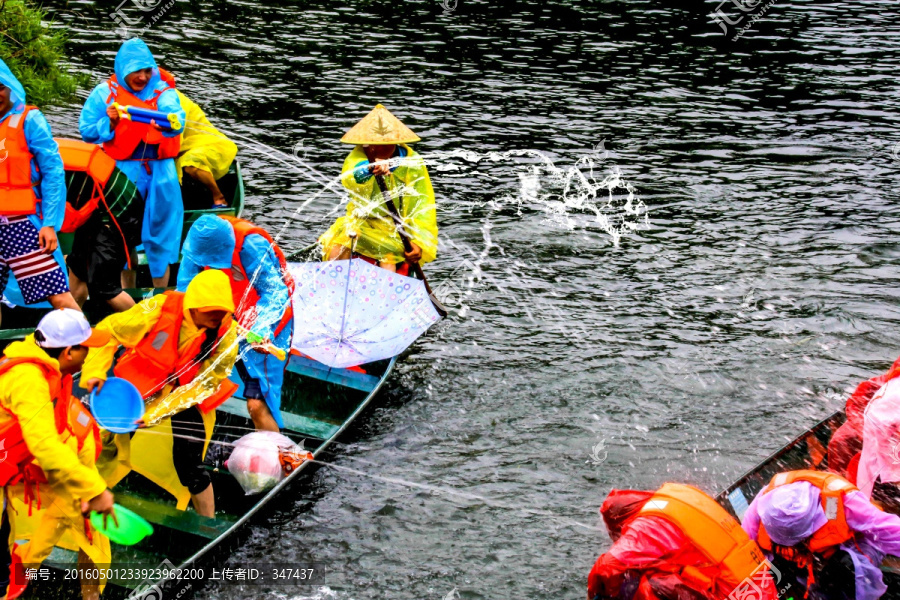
{"points": [[210, 243], [51, 189], [156, 179]]}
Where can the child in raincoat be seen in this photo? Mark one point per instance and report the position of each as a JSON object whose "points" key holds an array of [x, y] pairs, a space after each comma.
{"points": [[33, 203], [31, 388], [380, 136], [144, 153], [168, 451], [205, 154], [210, 244]]}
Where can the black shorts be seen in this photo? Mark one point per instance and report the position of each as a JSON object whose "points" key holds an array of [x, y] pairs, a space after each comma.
{"points": [[98, 257]]}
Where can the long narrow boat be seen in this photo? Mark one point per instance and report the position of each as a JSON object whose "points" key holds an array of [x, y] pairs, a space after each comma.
{"points": [[808, 451]]}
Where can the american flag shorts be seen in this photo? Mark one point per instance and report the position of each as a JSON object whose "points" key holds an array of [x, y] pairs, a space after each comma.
{"points": [[38, 274]]}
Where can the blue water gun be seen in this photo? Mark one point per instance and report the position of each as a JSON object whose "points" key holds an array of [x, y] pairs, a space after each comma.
{"points": [[167, 121]]}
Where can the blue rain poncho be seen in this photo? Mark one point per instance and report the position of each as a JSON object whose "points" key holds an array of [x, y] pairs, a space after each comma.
{"points": [[210, 243], [51, 189], [156, 179]]}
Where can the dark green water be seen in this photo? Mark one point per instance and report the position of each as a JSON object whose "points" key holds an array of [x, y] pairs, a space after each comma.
{"points": [[764, 286]]}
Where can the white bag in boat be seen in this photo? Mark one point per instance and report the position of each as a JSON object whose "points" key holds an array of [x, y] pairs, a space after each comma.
{"points": [[256, 460]]}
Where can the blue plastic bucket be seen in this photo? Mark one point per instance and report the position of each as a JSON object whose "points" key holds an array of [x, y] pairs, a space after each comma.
{"points": [[118, 406]]}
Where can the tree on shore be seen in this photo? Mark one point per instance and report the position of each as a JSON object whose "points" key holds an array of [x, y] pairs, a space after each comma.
{"points": [[35, 53]]}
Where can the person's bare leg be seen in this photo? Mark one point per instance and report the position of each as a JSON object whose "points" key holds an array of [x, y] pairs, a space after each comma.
{"points": [[78, 289], [207, 179], [122, 302], [64, 300], [338, 252], [90, 586], [129, 276], [205, 502], [161, 282], [261, 415]]}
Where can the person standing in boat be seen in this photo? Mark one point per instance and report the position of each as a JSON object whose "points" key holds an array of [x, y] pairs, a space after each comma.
{"points": [[823, 535], [381, 153], [144, 152], [205, 154], [261, 288], [32, 204], [676, 544], [48, 436], [181, 347]]}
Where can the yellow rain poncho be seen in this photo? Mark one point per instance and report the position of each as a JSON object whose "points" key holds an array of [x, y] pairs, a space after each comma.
{"points": [[410, 187], [202, 145], [71, 474], [149, 452]]}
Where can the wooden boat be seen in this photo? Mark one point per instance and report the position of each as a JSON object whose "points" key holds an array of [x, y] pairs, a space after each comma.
{"points": [[808, 451]]}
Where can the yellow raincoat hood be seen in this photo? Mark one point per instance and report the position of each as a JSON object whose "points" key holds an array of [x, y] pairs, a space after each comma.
{"points": [[28, 348], [209, 290]]}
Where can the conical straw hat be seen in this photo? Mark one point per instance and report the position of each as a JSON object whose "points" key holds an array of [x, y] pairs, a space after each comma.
{"points": [[380, 127]]}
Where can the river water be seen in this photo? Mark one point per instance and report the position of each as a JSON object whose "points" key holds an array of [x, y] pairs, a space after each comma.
{"points": [[755, 285]]}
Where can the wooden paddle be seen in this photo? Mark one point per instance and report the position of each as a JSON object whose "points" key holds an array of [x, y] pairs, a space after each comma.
{"points": [[415, 267]]}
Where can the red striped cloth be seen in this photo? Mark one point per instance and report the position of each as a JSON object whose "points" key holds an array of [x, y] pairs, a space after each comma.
{"points": [[31, 264]]}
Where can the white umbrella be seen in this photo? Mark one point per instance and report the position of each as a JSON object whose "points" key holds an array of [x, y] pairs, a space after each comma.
{"points": [[350, 312]]}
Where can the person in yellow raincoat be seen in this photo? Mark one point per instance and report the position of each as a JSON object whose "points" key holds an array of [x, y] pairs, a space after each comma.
{"points": [[35, 389], [205, 153], [182, 347], [367, 228]]}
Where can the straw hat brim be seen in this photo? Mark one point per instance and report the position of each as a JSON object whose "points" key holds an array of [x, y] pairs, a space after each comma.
{"points": [[380, 127]]}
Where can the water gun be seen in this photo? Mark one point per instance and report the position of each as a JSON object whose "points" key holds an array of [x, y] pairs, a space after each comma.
{"points": [[255, 338], [167, 121]]}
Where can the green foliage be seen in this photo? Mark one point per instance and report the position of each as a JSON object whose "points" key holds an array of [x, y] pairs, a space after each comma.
{"points": [[34, 53]]}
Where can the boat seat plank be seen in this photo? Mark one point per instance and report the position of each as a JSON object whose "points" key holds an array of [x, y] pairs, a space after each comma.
{"points": [[343, 377], [172, 518], [306, 426]]}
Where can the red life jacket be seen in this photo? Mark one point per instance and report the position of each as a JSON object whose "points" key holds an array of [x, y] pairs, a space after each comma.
{"points": [[155, 360], [243, 293], [129, 134], [17, 195], [835, 532], [69, 415]]}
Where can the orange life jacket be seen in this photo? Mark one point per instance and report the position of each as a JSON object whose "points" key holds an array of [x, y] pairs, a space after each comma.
{"points": [[732, 555], [90, 159], [832, 489], [155, 360], [17, 195], [129, 134], [243, 293], [70, 415]]}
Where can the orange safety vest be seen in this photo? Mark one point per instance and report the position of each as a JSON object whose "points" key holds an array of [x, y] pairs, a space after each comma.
{"points": [[155, 360], [833, 487], [69, 415], [242, 291], [129, 134], [732, 555], [17, 195]]}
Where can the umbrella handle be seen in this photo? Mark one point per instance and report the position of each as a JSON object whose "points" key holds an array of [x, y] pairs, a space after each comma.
{"points": [[415, 267]]}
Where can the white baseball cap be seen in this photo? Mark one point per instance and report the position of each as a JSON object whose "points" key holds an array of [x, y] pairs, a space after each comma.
{"points": [[66, 327]]}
